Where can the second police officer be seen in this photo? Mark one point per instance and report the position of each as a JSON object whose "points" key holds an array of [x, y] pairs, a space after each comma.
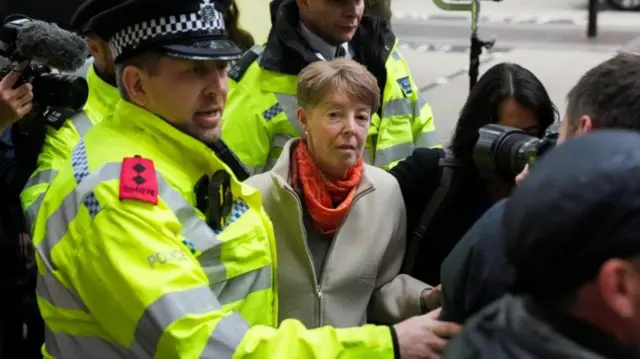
{"points": [[64, 134], [147, 245]]}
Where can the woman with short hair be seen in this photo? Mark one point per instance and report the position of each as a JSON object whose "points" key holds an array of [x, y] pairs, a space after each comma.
{"points": [[340, 224]]}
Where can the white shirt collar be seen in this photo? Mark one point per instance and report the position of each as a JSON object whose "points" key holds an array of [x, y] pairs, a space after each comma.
{"points": [[324, 50]]}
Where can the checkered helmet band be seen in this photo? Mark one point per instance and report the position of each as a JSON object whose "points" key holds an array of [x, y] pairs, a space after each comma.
{"points": [[131, 36]]}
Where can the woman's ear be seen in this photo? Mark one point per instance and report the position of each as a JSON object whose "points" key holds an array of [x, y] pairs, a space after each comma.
{"points": [[302, 119]]}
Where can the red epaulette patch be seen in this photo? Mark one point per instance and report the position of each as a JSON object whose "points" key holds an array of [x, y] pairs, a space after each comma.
{"points": [[138, 180]]}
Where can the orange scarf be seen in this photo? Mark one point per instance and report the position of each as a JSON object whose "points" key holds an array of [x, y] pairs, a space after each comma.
{"points": [[320, 194]]}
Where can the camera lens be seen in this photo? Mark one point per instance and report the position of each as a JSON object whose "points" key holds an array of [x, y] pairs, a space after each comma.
{"points": [[502, 151], [58, 90]]}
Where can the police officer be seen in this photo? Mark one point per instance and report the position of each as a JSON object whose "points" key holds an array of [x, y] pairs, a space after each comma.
{"points": [[261, 112], [62, 133], [147, 245]]}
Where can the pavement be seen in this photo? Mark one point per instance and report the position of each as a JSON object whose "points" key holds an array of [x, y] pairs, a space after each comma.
{"points": [[546, 36]]}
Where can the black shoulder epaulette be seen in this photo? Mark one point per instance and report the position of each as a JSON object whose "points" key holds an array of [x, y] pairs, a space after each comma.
{"points": [[238, 68], [55, 117]]}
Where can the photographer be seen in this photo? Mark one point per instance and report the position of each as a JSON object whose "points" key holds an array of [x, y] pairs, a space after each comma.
{"points": [[443, 190], [606, 97]]}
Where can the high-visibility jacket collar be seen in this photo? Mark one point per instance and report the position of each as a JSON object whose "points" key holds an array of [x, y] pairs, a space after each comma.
{"points": [[102, 95], [191, 155]]}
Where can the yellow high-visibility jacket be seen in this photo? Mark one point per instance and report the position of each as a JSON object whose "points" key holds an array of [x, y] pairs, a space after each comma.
{"points": [[128, 267], [58, 143]]}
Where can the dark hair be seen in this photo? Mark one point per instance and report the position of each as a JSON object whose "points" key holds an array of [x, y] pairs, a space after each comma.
{"points": [[240, 37], [609, 93], [501, 82]]}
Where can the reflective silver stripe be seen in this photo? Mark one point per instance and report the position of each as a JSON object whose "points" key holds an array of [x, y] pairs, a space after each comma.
{"points": [[225, 338], [289, 104], [280, 140], [398, 107], [58, 222], [169, 308], [394, 153], [396, 55], [64, 346], [427, 139], [51, 290], [419, 105], [366, 156], [82, 123], [254, 170], [44, 176], [32, 213], [194, 230], [238, 288]]}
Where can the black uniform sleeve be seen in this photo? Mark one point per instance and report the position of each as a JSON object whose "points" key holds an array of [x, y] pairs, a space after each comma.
{"points": [[472, 275], [418, 176]]}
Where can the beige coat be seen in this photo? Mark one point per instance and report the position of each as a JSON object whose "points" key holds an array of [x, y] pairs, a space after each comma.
{"points": [[360, 281]]}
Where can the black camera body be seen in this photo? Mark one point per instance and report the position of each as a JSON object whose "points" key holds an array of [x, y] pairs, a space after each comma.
{"points": [[49, 89], [505, 151]]}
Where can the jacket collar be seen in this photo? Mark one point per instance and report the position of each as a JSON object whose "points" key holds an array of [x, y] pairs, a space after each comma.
{"points": [[193, 157], [102, 96], [580, 332], [322, 48], [280, 171], [288, 52]]}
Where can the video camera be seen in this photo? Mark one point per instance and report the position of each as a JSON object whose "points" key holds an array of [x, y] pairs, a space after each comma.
{"points": [[34, 48], [505, 151]]}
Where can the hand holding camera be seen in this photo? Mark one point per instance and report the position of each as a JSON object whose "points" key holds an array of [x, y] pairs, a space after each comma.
{"points": [[14, 103]]}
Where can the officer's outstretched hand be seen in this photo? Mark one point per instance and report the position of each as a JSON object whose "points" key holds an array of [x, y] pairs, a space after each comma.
{"points": [[14, 103], [424, 337]]}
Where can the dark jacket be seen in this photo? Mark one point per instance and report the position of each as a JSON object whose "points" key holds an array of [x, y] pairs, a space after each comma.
{"points": [[473, 274], [519, 328], [419, 177]]}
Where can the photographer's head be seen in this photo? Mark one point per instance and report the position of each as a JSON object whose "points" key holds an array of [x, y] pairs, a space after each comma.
{"points": [[336, 99], [98, 46], [509, 95], [571, 232], [180, 77], [607, 96]]}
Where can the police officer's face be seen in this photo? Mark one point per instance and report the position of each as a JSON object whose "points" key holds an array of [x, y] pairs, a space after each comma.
{"points": [[334, 20], [336, 130], [190, 95]]}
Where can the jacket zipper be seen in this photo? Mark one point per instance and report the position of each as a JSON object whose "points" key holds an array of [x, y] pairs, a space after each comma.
{"points": [[310, 259], [320, 281], [330, 251]]}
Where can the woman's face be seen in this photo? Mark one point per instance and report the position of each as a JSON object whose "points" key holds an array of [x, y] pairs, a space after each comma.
{"points": [[512, 114], [336, 130]]}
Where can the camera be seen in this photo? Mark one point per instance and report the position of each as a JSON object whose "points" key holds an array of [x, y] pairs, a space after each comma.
{"points": [[31, 53], [505, 151]]}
